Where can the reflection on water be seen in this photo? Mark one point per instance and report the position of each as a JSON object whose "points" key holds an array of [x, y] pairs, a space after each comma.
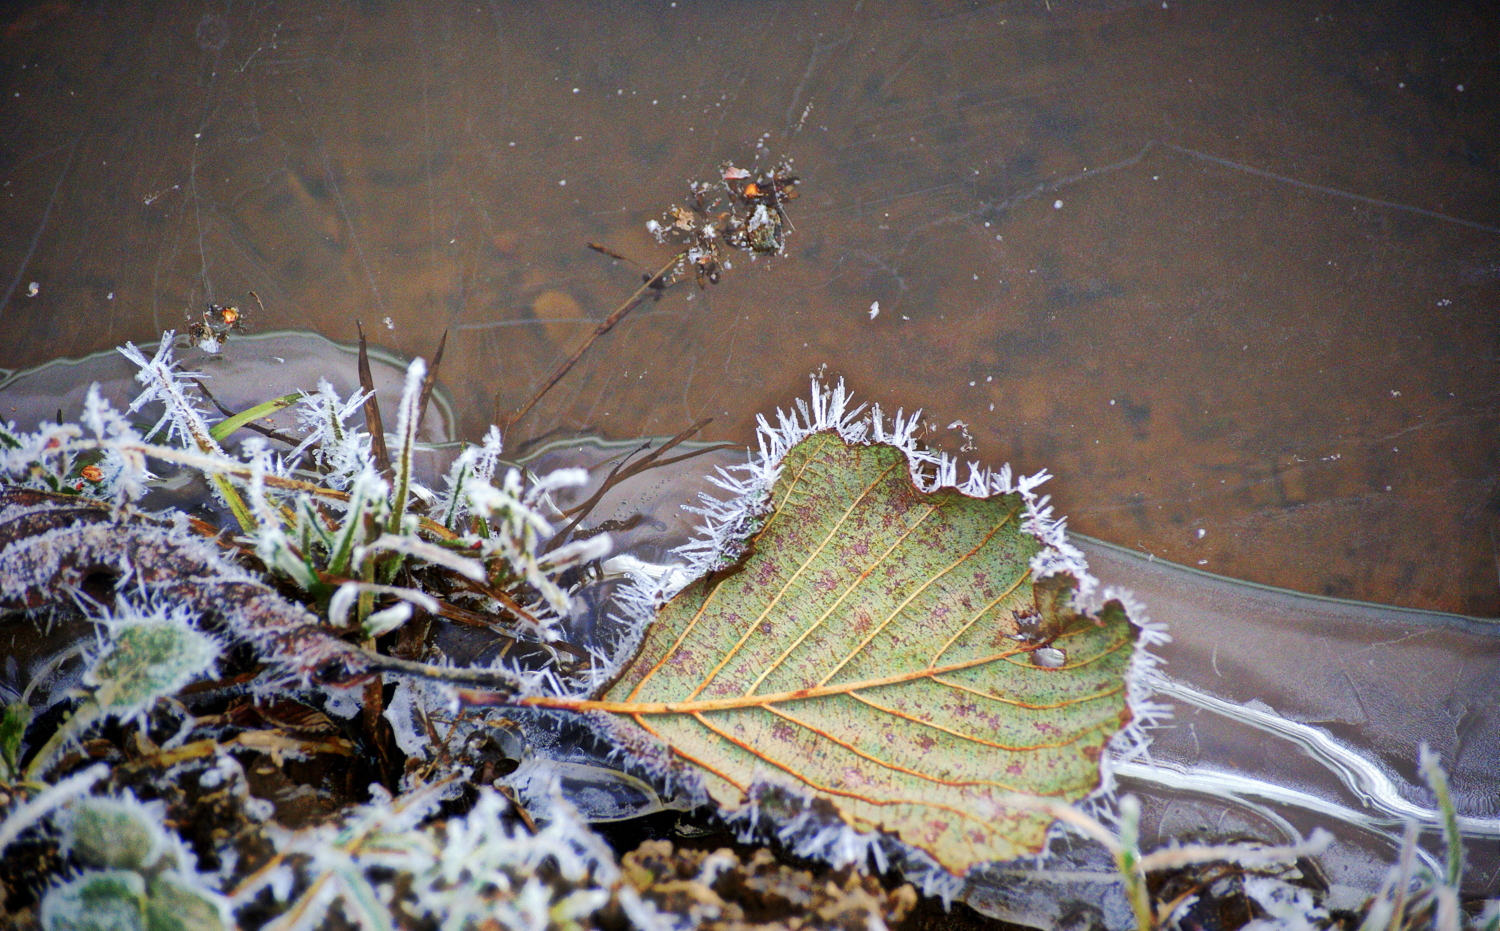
{"points": [[1228, 270]]}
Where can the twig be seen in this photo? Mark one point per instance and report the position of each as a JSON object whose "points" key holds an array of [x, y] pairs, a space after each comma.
{"points": [[372, 408], [430, 381], [605, 250], [624, 471], [608, 324]]}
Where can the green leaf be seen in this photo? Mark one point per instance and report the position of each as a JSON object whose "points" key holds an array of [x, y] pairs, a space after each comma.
{"points": [[176, 905], [150, 658], [881, 647], [224, 428], [236, 503], [12, 731], [113, 834], [98, 900]]}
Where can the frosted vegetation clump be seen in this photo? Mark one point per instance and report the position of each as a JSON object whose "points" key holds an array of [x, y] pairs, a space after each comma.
{"points": [[136, 873], [331, 542], [352, 688]]}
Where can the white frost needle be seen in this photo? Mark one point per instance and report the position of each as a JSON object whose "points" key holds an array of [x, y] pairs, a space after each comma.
{"points": [[348, 592], [164, 383], [337, 448], [575, 553], [408, 418], [421, 549]]}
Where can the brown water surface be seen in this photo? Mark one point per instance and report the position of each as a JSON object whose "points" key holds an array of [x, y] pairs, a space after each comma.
{"points": [[1229, 270]]}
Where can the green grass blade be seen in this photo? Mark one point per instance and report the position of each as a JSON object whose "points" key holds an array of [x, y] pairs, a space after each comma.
{"points": [[237, 505], [1437, 780], [408, 418], [224, 428]]}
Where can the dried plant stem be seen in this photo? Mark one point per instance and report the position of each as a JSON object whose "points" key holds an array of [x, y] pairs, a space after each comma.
{"points": [[430, 382], [608, 324], [87, 713], [372, 407], [625, 470]]}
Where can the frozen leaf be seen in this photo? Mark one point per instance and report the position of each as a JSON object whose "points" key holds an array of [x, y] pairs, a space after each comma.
{"points": [[145, 881], [149, 657], [175, 904], [98, 900], [114, 833], [878, 648]]}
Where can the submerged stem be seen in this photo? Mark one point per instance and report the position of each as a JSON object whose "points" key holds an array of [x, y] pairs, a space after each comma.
{"points": [[608, 324]]}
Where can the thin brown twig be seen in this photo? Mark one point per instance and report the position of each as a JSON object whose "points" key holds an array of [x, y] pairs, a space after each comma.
{"points": [[372, 408], [626, 470], [430, 381], [651, 283], [606, 250]]}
